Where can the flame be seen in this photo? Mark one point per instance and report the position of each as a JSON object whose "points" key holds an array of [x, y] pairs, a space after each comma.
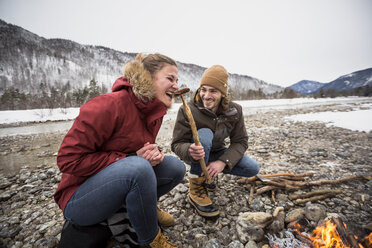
{"points": [[327, 236], [367, 240]]}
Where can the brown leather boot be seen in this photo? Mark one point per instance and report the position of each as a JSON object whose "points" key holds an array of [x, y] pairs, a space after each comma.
{"points": [[198, 197], [161, 241], [165, 219]]}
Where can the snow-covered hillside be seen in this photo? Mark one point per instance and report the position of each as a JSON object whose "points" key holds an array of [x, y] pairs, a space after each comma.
{"points": [[29, 62]]}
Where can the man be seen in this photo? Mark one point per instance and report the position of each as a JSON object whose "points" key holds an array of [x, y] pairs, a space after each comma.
{"points": [[216, 118]]}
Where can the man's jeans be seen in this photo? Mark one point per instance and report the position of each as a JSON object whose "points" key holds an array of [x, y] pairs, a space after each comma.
{"points": [[131, 181], [246, 167]]}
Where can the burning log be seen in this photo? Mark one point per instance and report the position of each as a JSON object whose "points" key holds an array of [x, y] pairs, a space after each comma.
{"points": [[346, 236], [333, 233]]}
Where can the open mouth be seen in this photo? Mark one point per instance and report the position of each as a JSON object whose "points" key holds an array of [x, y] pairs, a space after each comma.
{"points": [[169, 94]]}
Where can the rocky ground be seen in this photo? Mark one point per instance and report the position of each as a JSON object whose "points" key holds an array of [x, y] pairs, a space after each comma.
{"points": [[29, 176]]}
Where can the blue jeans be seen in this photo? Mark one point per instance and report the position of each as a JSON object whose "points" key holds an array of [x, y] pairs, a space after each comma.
{"points": [[131, 181], [246, 167]]}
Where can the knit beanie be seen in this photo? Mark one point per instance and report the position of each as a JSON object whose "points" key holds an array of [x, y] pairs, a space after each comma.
{"points": [[216, 76]]}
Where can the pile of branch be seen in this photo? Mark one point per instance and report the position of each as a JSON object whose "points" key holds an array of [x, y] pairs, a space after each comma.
{"points": [[291, 182]]}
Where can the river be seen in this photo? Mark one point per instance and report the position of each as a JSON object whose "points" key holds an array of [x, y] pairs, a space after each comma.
{"points": [[249, 107]]}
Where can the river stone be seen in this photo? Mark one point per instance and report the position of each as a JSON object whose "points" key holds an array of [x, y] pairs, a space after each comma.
{"points": [[235, 244], [295, 215], [315, 212], [247, 231], [278, 223], [213, 243]]}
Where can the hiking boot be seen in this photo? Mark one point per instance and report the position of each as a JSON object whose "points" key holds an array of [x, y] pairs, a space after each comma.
{"points": [[161, 241], [165, 219], [211, 187], [198, 197]]}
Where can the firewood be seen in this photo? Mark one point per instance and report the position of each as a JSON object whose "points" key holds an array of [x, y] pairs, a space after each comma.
{"points": [[314, 198], [288, 175], [293, 185], [313, 193], [251, 194], [294, 178], [281, 185], [264, 189], [335, 181], [277, 210], [346, 236]]}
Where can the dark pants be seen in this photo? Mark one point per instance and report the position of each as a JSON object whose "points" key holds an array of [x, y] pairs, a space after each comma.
{"points": [[131, 181]]}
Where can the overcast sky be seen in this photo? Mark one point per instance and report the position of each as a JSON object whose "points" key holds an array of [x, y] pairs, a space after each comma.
{"points": [[278, 41]]}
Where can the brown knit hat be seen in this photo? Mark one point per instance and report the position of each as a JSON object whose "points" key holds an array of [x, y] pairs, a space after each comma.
{"points": [[216, 76]]}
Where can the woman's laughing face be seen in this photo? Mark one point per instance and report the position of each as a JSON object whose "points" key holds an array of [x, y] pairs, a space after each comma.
{"points": [[165, 82]]}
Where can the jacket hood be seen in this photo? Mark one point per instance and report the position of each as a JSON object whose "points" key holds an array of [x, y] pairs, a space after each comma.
{"points": [[137, 77], [121, 83]]}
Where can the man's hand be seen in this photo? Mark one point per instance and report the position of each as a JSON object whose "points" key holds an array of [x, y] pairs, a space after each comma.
{"points": [[196, 152], [215, 167], [152, 153]]}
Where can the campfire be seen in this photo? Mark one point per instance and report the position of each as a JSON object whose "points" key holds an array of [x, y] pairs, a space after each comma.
{"points": [[333, 233]]}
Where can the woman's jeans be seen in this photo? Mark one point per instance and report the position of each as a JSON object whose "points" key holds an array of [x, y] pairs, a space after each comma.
{"points": [[246, 167], [131, 181]]}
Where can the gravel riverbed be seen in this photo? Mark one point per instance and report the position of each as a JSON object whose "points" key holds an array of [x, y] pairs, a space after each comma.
{"points": [[29, 216]]}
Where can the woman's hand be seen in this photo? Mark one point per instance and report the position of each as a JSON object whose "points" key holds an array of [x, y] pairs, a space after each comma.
{"points": [[151, 153], [196, 152]]}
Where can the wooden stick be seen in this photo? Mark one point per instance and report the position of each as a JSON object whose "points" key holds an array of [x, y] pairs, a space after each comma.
{"points": [[277, 210], [273, 195], [264, 189], [247, 180], [314, 198], [288, 175], [292, 176], [251, 194], [336, 181], [281, 185], [346, 236], [292, 185], [313, 193], [196, 138]]}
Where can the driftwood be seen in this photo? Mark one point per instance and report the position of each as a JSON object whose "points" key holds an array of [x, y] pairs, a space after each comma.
{"points": [[291, 176], [251, 193], [264, 189], [313, 193], [292, 182], [314, 198]]}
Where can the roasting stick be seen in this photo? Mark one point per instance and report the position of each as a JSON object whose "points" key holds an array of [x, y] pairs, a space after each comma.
{"points": [[194, 130]]}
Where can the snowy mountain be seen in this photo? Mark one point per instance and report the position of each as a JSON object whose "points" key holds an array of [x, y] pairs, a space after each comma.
{"points": [[351, 81], [347, 82], [29, 62], [306, 87]]}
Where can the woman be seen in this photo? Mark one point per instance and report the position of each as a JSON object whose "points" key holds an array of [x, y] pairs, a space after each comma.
{"points": [[109, 157]]}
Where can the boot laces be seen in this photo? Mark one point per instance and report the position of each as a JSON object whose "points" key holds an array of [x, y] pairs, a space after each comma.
{"points": [[164, 242], [201, 190]]}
